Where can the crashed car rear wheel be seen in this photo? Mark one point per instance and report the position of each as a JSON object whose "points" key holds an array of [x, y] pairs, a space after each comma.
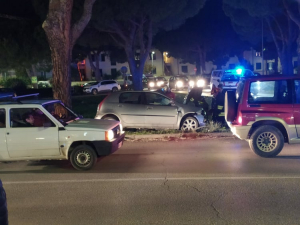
{"points": [[189, 124]]}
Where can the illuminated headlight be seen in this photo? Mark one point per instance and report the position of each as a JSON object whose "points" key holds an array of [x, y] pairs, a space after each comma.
{"points": [[109, 135], [159, 83], [179, 84], [151, 84], [192, 83], [200, 83]]}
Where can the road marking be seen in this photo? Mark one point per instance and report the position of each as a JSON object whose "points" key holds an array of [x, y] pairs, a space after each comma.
{"points": [[145, 179]]}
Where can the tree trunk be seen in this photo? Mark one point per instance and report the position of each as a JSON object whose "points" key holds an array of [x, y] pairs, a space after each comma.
{"points": [[97, 67], [61, 37]]}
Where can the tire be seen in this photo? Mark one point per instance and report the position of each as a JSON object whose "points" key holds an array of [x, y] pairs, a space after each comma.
{"points": [[266, 141], [94, 91], [189, 124], [110, 118], [230, 106], [114, 89], [83, 157]]}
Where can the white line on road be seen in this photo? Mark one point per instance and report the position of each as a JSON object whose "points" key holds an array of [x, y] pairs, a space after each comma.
{"points": [[145, 179]]}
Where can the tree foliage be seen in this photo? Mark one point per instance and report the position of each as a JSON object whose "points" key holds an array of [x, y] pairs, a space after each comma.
{"points": [[23, 42], [206, 37], [248, 18], [132, 24]]}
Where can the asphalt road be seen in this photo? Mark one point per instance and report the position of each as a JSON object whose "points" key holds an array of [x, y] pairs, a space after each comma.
{"points": [[205, 181]]}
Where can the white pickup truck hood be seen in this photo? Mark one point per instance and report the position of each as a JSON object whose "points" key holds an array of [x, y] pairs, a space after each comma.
{"points": [[91, 124]]}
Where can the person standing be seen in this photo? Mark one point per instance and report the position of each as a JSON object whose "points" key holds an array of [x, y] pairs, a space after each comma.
{"points": [[218, 105]]}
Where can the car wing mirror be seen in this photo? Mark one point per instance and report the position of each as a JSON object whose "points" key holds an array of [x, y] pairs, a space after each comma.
{"points": [[80, 116]]}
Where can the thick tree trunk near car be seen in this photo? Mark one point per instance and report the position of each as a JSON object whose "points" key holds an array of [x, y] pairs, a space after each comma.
{"points": [[61, 37], [57, 27], [136, 70]]}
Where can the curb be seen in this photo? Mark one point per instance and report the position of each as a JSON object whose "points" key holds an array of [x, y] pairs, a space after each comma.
{"points": [[159, 136]]}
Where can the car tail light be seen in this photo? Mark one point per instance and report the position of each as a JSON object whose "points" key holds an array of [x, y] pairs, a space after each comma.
{"points": [[101, 103], [240, 120]]}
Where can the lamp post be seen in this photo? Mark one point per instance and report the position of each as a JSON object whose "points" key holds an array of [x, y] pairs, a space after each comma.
{"points": [[152, 53]]}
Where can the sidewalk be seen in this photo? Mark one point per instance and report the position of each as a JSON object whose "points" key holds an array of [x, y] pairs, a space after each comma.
{"points": [[160, 136]]}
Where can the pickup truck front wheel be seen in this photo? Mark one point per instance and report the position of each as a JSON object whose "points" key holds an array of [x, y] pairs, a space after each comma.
{"points": [[83, 157], [267, 141]]}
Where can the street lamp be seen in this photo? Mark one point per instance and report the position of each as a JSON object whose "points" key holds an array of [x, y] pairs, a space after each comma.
{"points": [[152, 53]]}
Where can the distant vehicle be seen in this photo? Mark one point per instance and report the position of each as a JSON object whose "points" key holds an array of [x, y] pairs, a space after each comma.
{"points": [[7, 92], [98, 86], [179, 82], [197, 82], [229, 78], [154, 83], [146, 109]]}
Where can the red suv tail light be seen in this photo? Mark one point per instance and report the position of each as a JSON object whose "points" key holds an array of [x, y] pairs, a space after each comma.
{"points": [[240, 120]]}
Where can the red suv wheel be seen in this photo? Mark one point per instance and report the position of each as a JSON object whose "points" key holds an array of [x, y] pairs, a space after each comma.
{"points": [[266, 141]]}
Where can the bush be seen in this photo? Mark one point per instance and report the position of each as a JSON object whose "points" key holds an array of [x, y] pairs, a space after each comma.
{"points": [[16, 83]]}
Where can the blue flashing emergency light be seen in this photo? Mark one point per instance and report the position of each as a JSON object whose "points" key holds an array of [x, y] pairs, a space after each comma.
{"points": [[239, 71]]}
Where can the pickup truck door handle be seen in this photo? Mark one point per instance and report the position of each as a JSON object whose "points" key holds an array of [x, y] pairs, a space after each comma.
{"points": [[254, 105], [120, 105], [149, 108]]}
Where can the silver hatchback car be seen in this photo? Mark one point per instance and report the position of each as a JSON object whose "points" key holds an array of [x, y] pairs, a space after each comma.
{"points": [[152, 110]]}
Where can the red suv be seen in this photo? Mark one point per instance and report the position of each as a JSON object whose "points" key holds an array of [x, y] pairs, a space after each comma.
{"points": [[265, 111]]}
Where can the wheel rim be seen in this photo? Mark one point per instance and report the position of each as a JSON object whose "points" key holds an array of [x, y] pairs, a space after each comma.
{"points": [[114, 89], [189, 124], [267, 142], [83, 158], [94, 92]]}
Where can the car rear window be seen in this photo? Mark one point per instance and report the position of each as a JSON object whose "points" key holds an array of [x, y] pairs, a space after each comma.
{"points": [[269, 92], [230, 78], [131, 97]]}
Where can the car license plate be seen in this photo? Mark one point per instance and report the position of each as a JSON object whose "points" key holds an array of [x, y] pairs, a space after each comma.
{"points": [[120, 144]]}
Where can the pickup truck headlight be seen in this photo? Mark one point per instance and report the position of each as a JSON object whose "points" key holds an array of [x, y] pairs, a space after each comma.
{"points": [[109, 135], [151, 84]]}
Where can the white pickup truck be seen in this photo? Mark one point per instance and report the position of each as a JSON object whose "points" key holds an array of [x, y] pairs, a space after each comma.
{"points": [[46, 129]]}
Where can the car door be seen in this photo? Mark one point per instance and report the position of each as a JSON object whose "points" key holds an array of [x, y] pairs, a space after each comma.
{"points": [[3, 124], [27, 140], [102, 86], [160, 112], [131, 109], [297, 106]]}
